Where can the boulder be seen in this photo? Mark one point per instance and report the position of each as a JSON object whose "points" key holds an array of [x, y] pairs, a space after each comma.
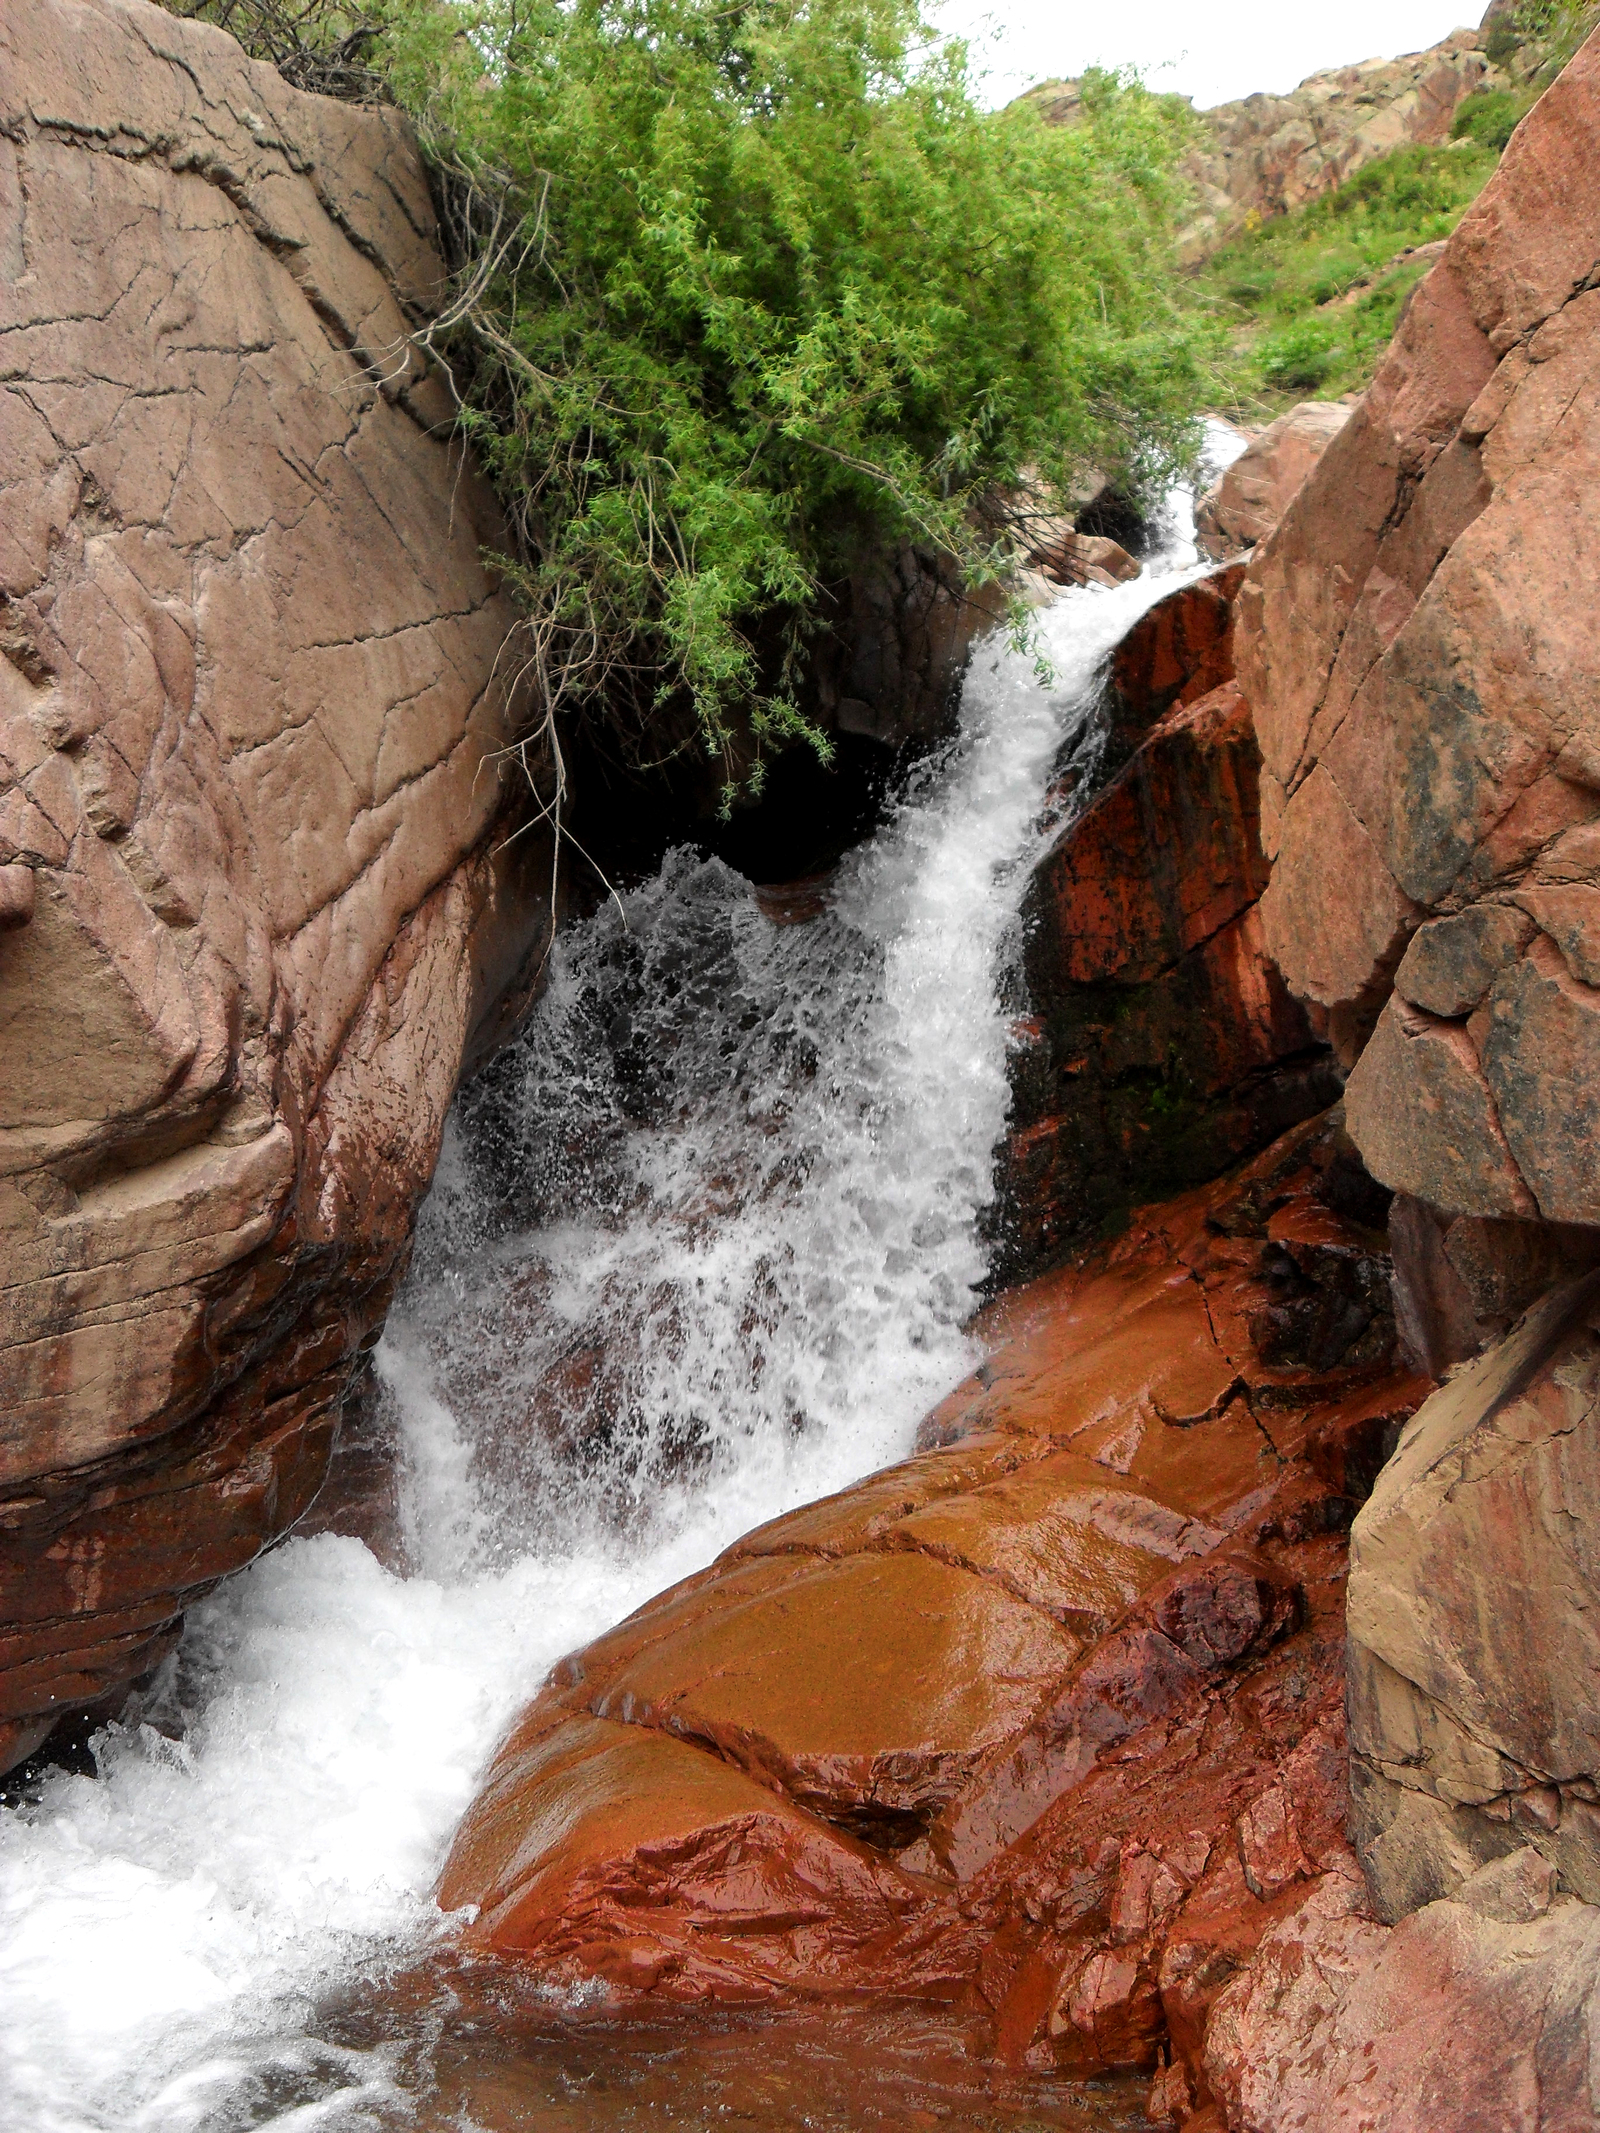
{"points": [[1162, 1044], [1414, 644], [249, 772], [1480, 2014], [1045, 1720], [890, 670], [1264, 480], [1474, 1602], [1178, 651], [1051, 546]]}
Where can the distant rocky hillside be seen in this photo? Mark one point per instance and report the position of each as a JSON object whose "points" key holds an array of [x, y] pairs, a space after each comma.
{"points": [[1267, 154]]}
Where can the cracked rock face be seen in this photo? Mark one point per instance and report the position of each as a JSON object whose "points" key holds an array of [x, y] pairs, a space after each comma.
{"points": [[1163, 1044], [1267, 154], [1417, 645], [1047, 1720], [1480, 2013], [1265, 479], [1473, 1621], [248, 921]]}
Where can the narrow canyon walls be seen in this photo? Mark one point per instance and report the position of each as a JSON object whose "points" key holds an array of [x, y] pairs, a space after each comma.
{"points": [[250, 915]]}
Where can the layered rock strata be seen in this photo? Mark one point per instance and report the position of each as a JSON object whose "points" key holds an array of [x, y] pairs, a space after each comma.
{"points": [[1161, 1045], [1046, 1720], [250, 920]]}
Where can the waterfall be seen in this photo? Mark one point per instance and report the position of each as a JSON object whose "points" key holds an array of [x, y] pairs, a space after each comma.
{"points": [[701, 1247]]}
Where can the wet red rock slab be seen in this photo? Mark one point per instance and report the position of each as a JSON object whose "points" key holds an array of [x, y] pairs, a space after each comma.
{"points": [[478, 2048], [1042, 1728]]}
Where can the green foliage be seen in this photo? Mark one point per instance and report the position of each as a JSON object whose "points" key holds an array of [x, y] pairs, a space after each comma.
{"points": [[779, 297], [1307, 304], [1489, 117], [1301, 358], [1540, 36], [749, 294]]}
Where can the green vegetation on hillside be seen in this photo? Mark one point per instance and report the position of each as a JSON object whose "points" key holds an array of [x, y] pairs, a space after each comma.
{"points": [[1534, 39], [1306, 304], [748, 294]]}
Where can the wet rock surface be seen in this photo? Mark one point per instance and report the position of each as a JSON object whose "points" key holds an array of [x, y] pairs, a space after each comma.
{"points": [[1162, 1044], [1047, 1721], [251, 925]]}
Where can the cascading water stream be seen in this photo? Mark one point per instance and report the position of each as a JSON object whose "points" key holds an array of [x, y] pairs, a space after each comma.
{"points": [[701, 1248]]}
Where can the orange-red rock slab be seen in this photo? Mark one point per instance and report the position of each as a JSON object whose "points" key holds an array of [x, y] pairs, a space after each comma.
{"points": [[852, 1519], [640, 1852], [1064, 1534], [871, 1681]]}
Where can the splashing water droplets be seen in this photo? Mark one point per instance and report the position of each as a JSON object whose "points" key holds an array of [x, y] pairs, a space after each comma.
{"points": [[701, 1247]]}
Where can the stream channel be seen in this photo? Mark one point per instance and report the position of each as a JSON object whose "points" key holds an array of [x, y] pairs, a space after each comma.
{"points": [[701, 1247]]}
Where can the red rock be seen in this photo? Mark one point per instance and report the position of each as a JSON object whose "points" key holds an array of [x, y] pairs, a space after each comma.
{"points": [[1267, 154], [1187, 803], [1095, 559], [1046, 1721], [1057, 551], [1477, 2014], [651, 1854], [1178, 651], [1472, 1717], [1264, 480], [1460, 1281], [891, 1726], [249, 921], [1413, 643], [1165, 1045]]}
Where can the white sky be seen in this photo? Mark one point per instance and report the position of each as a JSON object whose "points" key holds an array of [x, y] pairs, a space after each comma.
{"points": [[1213, 52]]}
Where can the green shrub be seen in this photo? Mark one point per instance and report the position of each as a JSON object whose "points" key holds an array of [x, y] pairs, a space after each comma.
{"points": [[1535, 39], [751, 293], [1307, 303], [1490, 117], [1300, 359]]}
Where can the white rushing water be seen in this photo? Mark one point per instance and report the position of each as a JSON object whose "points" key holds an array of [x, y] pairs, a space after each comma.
{"points": [[701, 1249]]}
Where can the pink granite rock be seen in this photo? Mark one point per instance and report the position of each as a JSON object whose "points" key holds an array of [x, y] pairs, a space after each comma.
{"points": [[248, 723]]}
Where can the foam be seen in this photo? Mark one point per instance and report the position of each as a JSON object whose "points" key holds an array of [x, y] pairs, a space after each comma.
{"points": [[777, 1261]]}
